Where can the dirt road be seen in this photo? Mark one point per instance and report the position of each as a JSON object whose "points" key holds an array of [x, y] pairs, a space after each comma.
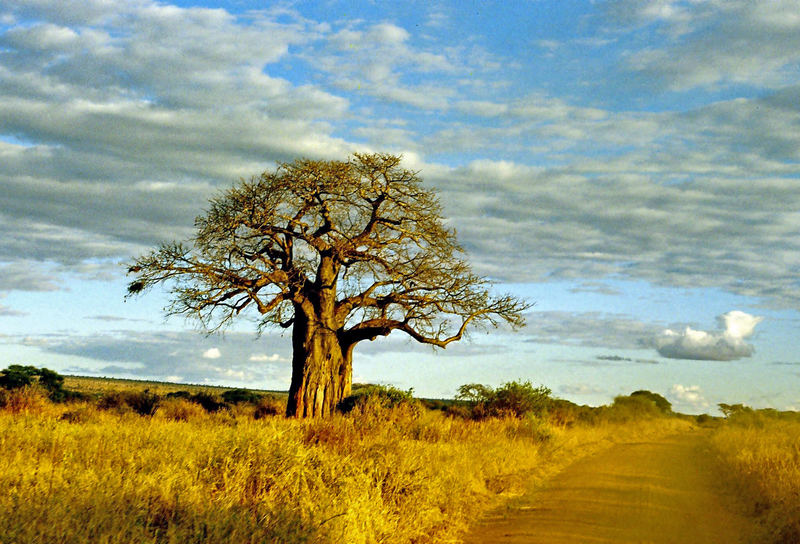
{"points": [[652, 492]]}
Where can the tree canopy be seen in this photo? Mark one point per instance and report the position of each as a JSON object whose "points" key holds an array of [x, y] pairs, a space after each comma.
{"points": [[341, 251]]}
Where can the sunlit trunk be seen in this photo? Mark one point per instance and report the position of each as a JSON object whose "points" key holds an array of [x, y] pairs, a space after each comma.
{"points": [[321, 370]]}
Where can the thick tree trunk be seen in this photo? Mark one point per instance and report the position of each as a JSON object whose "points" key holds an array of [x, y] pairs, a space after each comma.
{"points": [[322, 371]]}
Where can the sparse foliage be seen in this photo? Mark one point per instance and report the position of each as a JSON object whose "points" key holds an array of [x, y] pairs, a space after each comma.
{"points": [[341, 252], [730, 410]]}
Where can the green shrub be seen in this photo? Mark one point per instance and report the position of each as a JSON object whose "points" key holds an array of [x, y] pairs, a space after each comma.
{"points": [[50, 380], [18, 376], [630, 407], [208, 402], [564, 413], [515, 398], [475, 393], [236, 396], [377, 397], [661, 403], [703, 419], [732, 410], [521, 398]]}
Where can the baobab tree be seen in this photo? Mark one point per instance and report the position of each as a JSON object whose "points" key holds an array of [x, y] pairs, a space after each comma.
{"points": [[341, 252]]}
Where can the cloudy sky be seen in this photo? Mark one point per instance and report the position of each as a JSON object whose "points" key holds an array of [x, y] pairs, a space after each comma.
{"points": [[632, 166]]}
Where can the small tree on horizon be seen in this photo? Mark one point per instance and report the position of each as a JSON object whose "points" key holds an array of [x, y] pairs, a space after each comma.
{"points": [[661, 403], [338, 251]]}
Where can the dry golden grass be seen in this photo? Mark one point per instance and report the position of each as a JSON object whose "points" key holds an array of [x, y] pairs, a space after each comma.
{"points": [[98, 386], [28, 399], [74, 473], [761, 450]]}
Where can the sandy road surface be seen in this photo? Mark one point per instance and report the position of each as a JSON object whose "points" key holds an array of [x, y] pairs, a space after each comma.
{"points": [[664, 491]]}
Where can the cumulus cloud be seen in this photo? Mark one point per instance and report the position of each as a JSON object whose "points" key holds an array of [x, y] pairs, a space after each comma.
{"points": [[212, 353], [381, 61], [689, 395], [725, 345]]}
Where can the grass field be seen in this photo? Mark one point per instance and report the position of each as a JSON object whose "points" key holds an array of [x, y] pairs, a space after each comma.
{"points": [[760, 450], [100, 386], [76, 473], [196, 469]]}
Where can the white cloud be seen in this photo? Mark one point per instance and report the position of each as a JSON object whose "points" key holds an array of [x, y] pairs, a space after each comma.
{"points": [[725, 345], [381, 60], [212, 353], [689, 395]]}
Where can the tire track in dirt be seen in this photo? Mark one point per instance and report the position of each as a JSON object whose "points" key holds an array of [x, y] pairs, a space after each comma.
{"points": [[665, 491]]}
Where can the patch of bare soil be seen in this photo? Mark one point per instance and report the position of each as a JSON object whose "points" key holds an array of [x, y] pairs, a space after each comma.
{"points": [[645, 493]]}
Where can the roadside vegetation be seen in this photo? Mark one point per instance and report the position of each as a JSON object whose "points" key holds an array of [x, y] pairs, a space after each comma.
{"points": [[183, 464], [760, 449]]}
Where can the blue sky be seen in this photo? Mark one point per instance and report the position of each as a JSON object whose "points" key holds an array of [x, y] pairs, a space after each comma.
{"points": [[630, 166]]}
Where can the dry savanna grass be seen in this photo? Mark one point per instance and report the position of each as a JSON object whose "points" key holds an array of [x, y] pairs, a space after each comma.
{"points": [[99, 386], [75, 473], [761, 450]]}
